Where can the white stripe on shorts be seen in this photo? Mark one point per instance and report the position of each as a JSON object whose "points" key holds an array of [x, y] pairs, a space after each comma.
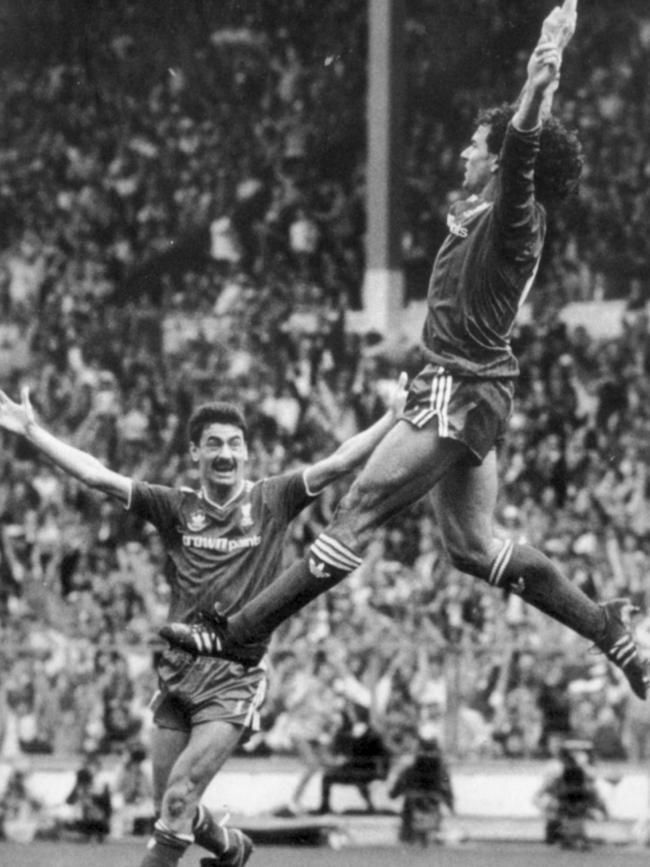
{"points": [[439, 398], [443, 406], [252, 720]]}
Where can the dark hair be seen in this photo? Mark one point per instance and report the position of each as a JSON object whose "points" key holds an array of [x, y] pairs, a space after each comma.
{"points": [[217, 412], [559, 162]]}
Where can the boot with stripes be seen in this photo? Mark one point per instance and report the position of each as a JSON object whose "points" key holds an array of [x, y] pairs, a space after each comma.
{"points": [[208, 636], [618, 644]]}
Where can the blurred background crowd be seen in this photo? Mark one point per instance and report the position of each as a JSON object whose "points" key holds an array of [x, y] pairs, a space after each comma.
{"points": [[182, 218]]}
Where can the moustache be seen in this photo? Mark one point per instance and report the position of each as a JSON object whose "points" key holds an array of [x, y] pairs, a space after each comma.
{"points": [[223, 466]]}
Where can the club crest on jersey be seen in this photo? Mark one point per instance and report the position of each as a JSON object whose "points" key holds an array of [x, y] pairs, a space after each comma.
{"points": [[456, 227], [246, 517], [197, 521]]}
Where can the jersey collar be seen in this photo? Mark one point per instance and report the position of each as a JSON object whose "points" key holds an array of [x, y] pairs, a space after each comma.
{"points": [[223, 507]]}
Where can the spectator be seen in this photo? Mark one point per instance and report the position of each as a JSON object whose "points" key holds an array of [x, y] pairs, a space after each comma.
{"points": [[359, 758], [425, 785], [132, 796], [555, 708], [91, 803], [21, 814]]}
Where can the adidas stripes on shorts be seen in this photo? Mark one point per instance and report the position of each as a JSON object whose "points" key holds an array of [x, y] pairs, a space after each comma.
{"points": [[470, 410]]}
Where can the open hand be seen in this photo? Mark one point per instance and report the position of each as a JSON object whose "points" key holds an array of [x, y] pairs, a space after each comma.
{"points": [[16, 417]]}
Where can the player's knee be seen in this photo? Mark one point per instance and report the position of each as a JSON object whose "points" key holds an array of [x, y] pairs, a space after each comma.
{"points": [[362, 504], [179, 804], [469, 556]]}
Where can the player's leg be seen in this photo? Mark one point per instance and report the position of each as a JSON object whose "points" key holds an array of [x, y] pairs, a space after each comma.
{"points": [[464, 504], [406, 464], [182, 819], [166, 746]]}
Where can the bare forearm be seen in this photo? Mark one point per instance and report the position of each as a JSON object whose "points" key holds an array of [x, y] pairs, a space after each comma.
{"points": [[530, 110], [349, 454], [355, 450], [77, 463]]}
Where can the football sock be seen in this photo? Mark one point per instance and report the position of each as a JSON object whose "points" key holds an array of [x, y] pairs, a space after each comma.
{"points": [[294, 589], [165, 848], [520, 568], [208, 833], [529, 573], [328, 563]]}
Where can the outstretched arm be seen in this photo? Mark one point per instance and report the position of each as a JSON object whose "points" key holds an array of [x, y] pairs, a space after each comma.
{"points": [[355, 450], [19, 418]]}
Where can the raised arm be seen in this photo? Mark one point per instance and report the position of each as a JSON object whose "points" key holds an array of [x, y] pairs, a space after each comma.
{"points": [[355, 450], [19, 418], [560, 24], [525, 186], [543, 74], [557, 29]]}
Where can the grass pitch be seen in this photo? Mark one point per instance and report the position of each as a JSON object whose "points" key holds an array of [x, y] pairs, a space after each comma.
{"points": [[129, 854]]}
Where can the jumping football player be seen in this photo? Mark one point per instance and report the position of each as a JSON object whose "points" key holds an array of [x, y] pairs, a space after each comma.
{"points": [[520, 164]]}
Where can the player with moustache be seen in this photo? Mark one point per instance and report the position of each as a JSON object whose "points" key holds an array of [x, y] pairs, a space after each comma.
{"points": [[224, 545]]}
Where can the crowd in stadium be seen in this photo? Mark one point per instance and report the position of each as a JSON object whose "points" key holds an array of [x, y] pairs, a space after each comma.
{"points": [[137, 192]]}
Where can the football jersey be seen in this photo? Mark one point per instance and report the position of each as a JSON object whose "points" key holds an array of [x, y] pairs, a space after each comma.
{"points": [[485, 268], [220, 555]]}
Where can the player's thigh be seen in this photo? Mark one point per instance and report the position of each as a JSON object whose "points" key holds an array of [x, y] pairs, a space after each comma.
{"points": [[406, 464], [166, 746], [209, 746], [464, 503]]}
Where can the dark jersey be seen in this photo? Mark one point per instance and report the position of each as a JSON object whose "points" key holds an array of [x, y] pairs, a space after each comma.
{"points": [[485, 268], [216, 555]]}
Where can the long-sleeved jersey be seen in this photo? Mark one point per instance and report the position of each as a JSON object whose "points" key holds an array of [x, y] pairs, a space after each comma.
{"points": [[221, 555], [486, 267]]}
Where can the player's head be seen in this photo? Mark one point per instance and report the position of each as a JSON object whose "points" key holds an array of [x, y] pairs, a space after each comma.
{"points": [[217, 411], [217, 433], [558, 164], [481, 162]]}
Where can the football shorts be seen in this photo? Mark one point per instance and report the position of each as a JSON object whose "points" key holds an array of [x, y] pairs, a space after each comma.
{"points": [[199, 689], [472, 411]]}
